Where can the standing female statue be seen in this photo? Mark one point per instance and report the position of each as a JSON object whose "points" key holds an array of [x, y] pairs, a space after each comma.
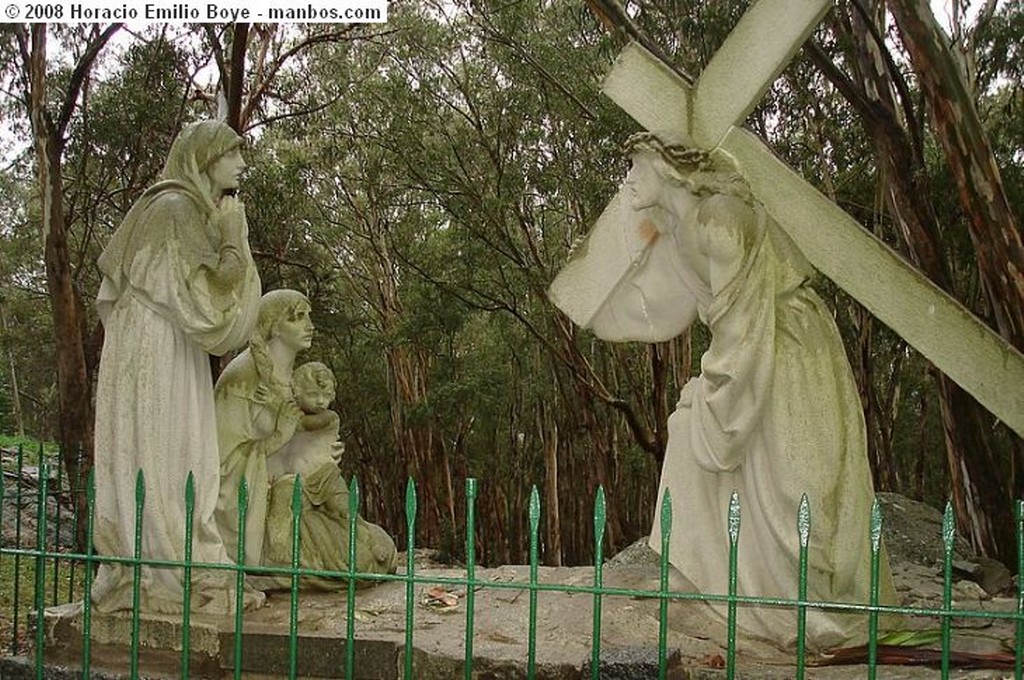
{"points": [[267, 439], [179, 284], [774, 412]]}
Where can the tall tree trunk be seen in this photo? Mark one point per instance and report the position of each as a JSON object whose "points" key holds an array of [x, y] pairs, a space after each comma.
{"points": [[548, 428], [415, 438], [922, 451], [991, 222], [73, 376], [981, 492]]}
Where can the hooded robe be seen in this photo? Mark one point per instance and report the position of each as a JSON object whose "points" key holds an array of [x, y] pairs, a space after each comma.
{"points": [[165, 310]]}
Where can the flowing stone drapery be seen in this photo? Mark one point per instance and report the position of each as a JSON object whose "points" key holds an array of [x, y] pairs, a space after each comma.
{"points": [[774, 412], [178, 285]]}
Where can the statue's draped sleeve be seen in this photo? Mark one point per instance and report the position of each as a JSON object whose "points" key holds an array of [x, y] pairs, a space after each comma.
{"points": [[166, 256], [729, 397], [247, 434]]}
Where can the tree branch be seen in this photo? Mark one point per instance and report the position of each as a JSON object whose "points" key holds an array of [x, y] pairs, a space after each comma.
{"points": [[78, 76], [897, 78]]}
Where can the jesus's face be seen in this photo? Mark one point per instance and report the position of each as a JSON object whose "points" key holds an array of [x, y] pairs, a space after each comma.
{"points": [[643, 181]]}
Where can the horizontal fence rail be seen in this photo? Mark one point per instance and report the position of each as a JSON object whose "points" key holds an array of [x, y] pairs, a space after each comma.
{"points": [[71, 574]]}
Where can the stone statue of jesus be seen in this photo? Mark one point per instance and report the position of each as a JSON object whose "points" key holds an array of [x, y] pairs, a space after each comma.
{"points": [[774, 412]]}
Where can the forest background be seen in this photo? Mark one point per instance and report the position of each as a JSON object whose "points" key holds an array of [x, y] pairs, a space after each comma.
{"points": [[423, 181]]}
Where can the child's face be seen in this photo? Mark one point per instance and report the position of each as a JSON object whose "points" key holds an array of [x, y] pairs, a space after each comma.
{"points": [[314, 398]]}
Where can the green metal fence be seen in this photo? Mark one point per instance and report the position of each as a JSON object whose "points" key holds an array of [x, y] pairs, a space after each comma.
{"points": [[71, 574]]}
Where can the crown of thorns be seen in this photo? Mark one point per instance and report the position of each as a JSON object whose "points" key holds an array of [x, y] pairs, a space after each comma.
{"points": [[683, 159]]}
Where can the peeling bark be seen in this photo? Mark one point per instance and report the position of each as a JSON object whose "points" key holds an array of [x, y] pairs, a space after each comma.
{"points": [[74, 387], [991, 222], [981, 491]]}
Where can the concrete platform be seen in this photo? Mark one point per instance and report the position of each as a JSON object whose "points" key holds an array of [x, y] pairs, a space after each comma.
{"points": [[629, 634]]}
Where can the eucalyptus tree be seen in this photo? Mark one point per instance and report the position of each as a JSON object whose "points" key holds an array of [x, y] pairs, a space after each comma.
{"points": [[49, 101], [908, 152], [471, 152]]}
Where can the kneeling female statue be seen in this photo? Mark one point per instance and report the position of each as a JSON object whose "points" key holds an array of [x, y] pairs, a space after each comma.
{"points": [[274, 428]]}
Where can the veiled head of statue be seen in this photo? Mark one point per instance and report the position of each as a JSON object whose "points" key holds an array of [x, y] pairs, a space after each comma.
{"points": [[276, 307], [699, 171], [195, 149]]}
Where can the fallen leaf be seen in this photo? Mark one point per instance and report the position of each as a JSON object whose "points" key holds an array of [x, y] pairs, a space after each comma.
{"points": [[440, 600], [911, 638], [713, 661]]}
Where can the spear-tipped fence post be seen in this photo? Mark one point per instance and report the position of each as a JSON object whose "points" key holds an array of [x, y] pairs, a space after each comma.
{"points": [[350, 599], [600, 520], [186, 577], [3, 497], [293, 618], [410, 518], [803, 531], [56, 523], [40, 592], [470, 572], [90, 516], [948, 536], [17, 544], [531, 642], [75, 490], [140, 504], [734, 539], [666, 538], [876, 560], [1018, 662], [243, 512]]}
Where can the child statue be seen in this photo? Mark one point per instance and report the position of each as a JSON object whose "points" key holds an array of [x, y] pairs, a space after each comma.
{"points": [[312, 455], [315, 442]]}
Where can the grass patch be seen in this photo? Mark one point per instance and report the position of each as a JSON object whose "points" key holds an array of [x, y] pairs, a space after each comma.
{"points": [[29, 445], [30, 449], [18, 593], [18, 573]]}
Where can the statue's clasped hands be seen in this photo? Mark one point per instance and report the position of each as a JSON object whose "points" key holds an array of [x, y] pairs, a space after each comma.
{"points": [[231, 222]]}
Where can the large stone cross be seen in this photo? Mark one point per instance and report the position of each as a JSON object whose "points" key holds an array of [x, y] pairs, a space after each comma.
{"points": [[708, 116]]}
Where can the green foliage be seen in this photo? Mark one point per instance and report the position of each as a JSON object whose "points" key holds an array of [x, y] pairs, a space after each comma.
{"points": [[29, 444]]}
